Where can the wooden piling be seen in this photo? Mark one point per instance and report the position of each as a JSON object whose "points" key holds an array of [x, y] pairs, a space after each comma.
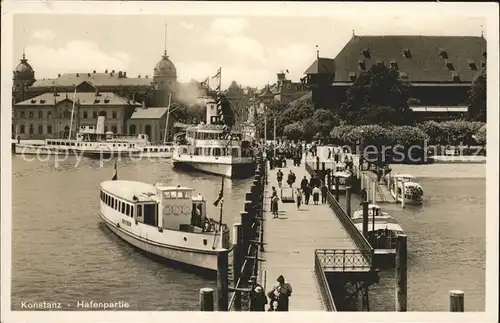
{"points": [[237, 263], [337, 193], [403, 194], [348, 201], [206, 299], [245, 229], [317, 165], [222, 280], [329, 179], [401, 274], [365, 219], [374, 192], [457, 303]]}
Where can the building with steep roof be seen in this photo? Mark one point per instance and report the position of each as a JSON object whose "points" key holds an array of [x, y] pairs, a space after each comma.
{"points": [[23, 77], [49, 114], [151, 121], [440, 69]]}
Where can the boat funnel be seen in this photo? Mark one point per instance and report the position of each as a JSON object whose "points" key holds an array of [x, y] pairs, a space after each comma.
{"points": [[100, 124]]}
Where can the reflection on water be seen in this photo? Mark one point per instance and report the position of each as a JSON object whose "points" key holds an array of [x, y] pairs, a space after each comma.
{"points": [[61, 251]]}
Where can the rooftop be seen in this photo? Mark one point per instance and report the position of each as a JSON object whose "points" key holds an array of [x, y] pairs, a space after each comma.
{"points": [[111, 78], [321, 66], [149, 113], [422, 59], [82, 98], [128, 189]]}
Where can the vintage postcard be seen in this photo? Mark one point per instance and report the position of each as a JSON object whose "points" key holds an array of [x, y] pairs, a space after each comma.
{"points": [[165, 159]]}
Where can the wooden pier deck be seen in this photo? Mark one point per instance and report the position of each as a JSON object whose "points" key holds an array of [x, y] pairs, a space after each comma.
{"points": [[292, 239]]}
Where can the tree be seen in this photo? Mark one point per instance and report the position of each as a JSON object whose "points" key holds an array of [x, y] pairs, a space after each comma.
{"points": [[477, 97], [325, 121], [378, 96], [480, 136], [294, 131]]}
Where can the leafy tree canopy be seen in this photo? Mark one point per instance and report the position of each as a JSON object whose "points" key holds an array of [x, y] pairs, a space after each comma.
{"points": [[477, 97], [378, 96]]}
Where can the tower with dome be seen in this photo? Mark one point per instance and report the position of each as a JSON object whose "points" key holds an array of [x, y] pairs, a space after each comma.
{"points": [[23, 77]]}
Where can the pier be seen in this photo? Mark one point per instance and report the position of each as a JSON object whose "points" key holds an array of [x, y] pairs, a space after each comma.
{"points": [[318, 250]]}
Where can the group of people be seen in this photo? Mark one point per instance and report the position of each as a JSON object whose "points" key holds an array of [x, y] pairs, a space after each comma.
{"points": [[278, 296], [310, 187]]}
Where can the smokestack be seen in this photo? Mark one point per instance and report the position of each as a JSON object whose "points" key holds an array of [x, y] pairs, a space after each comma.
{"points": [[100, 125]]}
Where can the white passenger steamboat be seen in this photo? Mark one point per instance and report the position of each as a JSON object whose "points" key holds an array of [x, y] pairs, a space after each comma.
{"points": [[166, 221], [405, 187], [92, 141], [210, 147]]}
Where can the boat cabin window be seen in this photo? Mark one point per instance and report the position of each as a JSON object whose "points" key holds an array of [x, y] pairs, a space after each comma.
{"points": [[139, 213], [177, 195], [150, 214], [216, 151], [234, 152]]}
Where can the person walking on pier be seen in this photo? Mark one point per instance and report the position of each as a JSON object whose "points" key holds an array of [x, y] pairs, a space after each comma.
{"points": [[291, 178], [324, 192], [316, 192], [281, 292], [279, 177], [258, 299], [299, 198], [274, 203]]}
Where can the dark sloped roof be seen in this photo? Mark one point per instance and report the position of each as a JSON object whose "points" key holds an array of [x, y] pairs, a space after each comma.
{"points": [[322, 66], [96, 79], [83, 98], [305, 98], [425, 64], [149, 113]]}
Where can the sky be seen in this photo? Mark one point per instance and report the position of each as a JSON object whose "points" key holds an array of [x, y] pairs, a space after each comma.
{"points": [[250, 50]]}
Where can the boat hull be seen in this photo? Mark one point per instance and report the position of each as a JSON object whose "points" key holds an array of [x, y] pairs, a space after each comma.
{"points": [[230, 170], [407, 201], [205, 260]]}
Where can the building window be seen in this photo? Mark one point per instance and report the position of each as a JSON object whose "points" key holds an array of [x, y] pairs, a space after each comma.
{"points": [[49, 129], [450, 66], [32, 129], [103, 113], [49, 114], [66, 114], [132, 129], [406, 53], [352, 76], [114, 114], [85, 115], [148, 131], [21, 115], [40, 114], [40, 129], [113, 128], [105, 129], [472, 65], [362, 64], [21, 128], [366, 53], [31, 114], [94, 114], [443, 54], [394, 65]]}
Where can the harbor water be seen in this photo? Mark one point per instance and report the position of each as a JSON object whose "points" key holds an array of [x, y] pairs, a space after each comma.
{"points": [[62, 252]]}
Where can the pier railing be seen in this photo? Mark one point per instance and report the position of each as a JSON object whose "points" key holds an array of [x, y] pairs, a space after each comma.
{"points": [[343, 259], [326, 293], [358, 238]]}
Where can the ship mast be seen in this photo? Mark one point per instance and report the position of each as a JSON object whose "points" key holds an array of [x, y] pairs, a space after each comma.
{"points": [[168, 114], [72, 113]]}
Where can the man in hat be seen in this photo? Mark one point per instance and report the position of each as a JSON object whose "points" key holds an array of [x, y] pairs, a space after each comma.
{"points": [[281, 292], [258, 298]]}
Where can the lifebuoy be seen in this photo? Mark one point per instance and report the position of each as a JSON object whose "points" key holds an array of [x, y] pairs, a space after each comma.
{"points": [[185, 209], [176, 209], [167, 210]]}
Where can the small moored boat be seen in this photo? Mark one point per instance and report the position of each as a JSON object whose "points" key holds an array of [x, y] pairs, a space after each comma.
{"points": [[166, 221], [383, 231], [344, 176], [405, 187]]}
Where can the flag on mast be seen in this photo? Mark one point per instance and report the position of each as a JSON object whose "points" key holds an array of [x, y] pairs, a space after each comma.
{"points": [[221, 194], [115, 175], [218, 98]]}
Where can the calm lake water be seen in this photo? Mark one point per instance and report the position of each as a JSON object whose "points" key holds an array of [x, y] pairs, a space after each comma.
{"points": [[62, 252]]}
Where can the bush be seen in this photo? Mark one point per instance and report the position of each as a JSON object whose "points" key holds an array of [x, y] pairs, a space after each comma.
{"points": [[369, 135], [480, 136], [408, 136], [294, 131]]}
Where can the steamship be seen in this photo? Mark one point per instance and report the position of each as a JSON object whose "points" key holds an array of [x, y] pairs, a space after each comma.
{"points": [[212, 148], [92, 141], [166, 221]]}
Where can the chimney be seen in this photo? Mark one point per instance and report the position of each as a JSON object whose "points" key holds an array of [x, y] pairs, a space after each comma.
{"points": [[113, 71], [124, 74], [88, 74], [93, 71], [139, 76], [119, 74], [106, 71], [146, 76], [59, 75], [77, 74]]}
